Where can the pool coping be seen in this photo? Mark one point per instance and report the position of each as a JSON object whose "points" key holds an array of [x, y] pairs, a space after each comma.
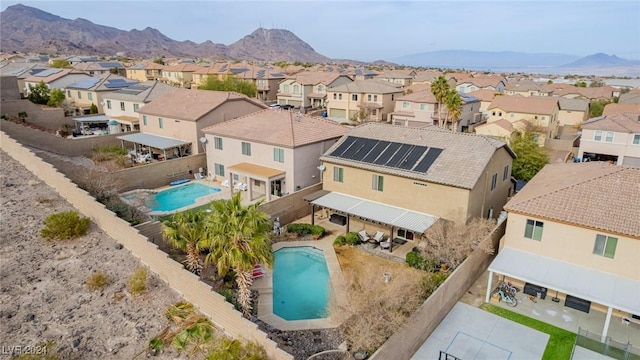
{"points": [[264, 285]]}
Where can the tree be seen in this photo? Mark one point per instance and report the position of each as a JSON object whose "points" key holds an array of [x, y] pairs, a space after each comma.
{"points": [[238, 237], [61, 64], [530, 158], [580, 84], [597, 83], [230, 83], [596, 107], [454, 103], [93, 109], [158, 61], [114, 70], [39, 94], [56, 97], [439, 89], [186, 231]]}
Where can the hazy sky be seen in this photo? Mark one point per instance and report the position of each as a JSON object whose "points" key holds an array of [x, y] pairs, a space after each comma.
{"points": [[372, 30]]}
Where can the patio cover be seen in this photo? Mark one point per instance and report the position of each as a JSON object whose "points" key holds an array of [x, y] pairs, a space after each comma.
{"points": [[126, 119], [597, 286], [375, 211], [154, 141], [256, 170], [92, 119]]}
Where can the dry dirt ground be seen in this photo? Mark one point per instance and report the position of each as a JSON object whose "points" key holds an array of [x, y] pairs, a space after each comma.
{"points": [[42, 291]]}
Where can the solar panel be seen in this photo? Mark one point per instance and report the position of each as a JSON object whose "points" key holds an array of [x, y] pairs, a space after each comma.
{"points": [[277, 75], [412, 157], [426, 162], [238, 71], [387, 154], [355, 147], [261, 73], [358, 72], [224, 67], [344, 146], [329, 68], [399, 155], [375, 151], [86, 83], [47, 72], [365, 149]]}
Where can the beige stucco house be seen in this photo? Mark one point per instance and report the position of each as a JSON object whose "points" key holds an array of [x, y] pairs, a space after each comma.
{"points": [[272, 152], [475, 83], [145, 71], [572, 112], [427, 172], [368, 100], [92, 90], [309, 88], [401, 78], [527, 88], [173, 122], [180, 75], [500, 129], [485, 97], [614, 138], [540, 112], [54, 78], [573, 233]]}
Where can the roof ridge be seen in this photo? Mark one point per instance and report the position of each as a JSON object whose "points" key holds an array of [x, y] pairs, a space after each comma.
{"points": [[155, 82]]}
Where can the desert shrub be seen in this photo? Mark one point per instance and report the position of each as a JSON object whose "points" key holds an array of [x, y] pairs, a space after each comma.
{"points": [[138, 281], [339, 241], [232, 349], [352, 238], [431, 283], [178, 312], [306, 229], [97, 280], [64, 225], [426, 263]]}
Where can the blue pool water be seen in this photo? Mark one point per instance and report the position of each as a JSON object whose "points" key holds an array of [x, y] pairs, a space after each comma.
{"points": [[177, 197], [301, 284]]}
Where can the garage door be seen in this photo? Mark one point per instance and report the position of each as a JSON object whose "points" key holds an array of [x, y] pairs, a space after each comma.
{"points": [[338, 113], [295, 103], [631, 161]]}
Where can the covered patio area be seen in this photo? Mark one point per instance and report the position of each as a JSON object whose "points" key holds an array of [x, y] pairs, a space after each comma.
{"points": [[126, 123], [611, 299], [257, 180], [148, 147]]}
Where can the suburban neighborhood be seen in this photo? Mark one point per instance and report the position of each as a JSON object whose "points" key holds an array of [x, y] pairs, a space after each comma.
{"points": [[229, 207]]}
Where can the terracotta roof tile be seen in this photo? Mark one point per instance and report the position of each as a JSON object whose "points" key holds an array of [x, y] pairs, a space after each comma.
{"points": [[625, 123], [596, 195], [613, 108], [368, 86], [484, 94], [424, 96], [526, 105]]}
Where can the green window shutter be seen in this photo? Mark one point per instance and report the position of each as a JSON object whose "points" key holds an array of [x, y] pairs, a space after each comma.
{"points": [[610, 249]]}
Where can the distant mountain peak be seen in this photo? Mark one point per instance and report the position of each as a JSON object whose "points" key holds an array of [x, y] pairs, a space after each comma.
{"points": [[24, 10], [601, 60]]}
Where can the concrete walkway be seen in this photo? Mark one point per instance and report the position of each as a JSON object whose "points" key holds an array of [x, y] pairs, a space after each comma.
{"points": [[470, 333]]}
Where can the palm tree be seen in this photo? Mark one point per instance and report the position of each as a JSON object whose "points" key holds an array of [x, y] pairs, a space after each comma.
{"points": [[454, 103], [186, 231], [439, 89], [238, 238]]}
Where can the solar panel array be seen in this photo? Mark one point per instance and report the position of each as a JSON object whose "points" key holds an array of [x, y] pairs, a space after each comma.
{"points": [[86, 83], [110, 64], [223, 68], [260, 74], [133, 90], [416, 158], [118, 83], [277, 75], [45, 73], [238, 70], [329, 68]]}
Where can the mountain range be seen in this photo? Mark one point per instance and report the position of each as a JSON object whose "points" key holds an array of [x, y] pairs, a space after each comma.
{"points": [[28, 29]]}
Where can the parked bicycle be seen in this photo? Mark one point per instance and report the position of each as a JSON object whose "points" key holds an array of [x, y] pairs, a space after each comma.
{"points": [[507, 298], [508, 288]]}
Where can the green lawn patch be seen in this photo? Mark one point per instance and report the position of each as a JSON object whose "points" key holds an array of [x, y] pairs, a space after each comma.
{"points": [[560, 342]]}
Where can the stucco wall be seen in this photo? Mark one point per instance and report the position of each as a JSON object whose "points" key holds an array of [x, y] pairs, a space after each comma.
{"points": [[9, 88], [622, 145], [40, 115], [306, 162], [161, 173], [291, 207], [482, 198]]}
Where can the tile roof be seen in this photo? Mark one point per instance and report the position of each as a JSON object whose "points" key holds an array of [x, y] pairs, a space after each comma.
{"points": [[526, 85], [596, 195], [483, 81], [526, 105], [461, 163], [623, 122], [182, 68], [604, 92], [573, 104], [191, 105], [142, 92], [503, 123], [394, 75], [618, 108], [54, 75], [484, 94], [317, 77], [368, 87], [424, 96], [278, 127]]}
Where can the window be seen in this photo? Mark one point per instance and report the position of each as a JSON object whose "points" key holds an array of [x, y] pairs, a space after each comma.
{"points": [[374, 112], [605, 246], [597, 136], [393, 97], [500, 113], [354, 97], [217, 142], [533, 230], [236, 177], [609, 137], [144, 120], [375, 98], [339, 96], [505, 174], [377, 182], [246, 148], [278, 155], [296, 89], [320, 88], [338, 174], [406, 105], [285, 88], [405, 234], [108, 104], [68, 93], [494, 181], [423, 107], [544, 118], [161, 123], [79, 95], [136, 107], [122, 105], [335, 96], [636, 139], [369, 97], [493, 114], [218, 169], [90, 96]]}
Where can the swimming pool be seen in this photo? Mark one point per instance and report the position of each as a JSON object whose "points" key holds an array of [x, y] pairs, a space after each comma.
{"points": [[301, 286], [173, 198]]}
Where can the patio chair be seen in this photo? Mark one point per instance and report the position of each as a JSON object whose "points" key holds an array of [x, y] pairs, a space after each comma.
{"points": [[386, 244], [364, 236], [379, 235], [240, 186], [198, 176], [225, 183]]}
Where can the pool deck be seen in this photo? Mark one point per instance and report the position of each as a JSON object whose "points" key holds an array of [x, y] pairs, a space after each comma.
{"points": [[264, 285]]}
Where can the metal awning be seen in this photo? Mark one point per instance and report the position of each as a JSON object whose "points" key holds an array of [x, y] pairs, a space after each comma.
{"points": [[130, 120], [255, 170], [375, 211], [92, 119], [586, 283], [154, 141]]}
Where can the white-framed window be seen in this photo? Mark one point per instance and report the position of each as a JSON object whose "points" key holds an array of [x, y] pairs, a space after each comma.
{"points": [[335, 96], [161, 123], [285, 88], [406, 104], [122, 105], [217, 142], [278, 155], [246, 148], [374, 112], [505, 173], [597, 136], [424, 107], [218, 169], [89, 96], [375, 98], [369, 97], [68, 93], [533, 229], [296, 89], [136, 107], [354, 97], [320, 88], [636, 139], [108, 104], [236, 177], [405, 234], [339, 96], [605, 246], [377, 182], [144, 120], [609, 136], [544, 118], [338, 174], [79, 95], [494, 181]]}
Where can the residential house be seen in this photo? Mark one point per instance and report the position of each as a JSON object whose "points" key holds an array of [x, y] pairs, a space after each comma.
{"points": [[122, 105], [266, 79], [362, 73], [180, 75], [425, 171], [55, 78], [9, 88], [617, 108], [21, 71], [91, 90], [396, 77], [573, 112], [632, 97], [475, 83], [309, 88], [540, 112], [614, 138], [486, 97], [101, 68], [368, 100], [500, 129], [527, 88], [272, 152], [573, 232], [181, 115], [145, 71], [606, 93], [73, 60]]}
